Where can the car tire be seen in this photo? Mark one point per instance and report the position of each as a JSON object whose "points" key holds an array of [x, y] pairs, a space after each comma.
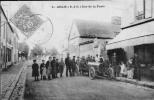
{"points": [[92, 73]]}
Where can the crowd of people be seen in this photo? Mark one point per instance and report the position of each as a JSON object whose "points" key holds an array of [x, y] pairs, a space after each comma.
{"points": [[54, 68], [48, 70], [129, 69]]}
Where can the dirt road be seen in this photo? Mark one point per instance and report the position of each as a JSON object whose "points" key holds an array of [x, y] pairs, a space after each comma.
{"points": [[82, 88]]}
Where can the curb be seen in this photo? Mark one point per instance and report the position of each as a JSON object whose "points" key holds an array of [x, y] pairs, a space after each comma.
{"points": [[12, 86], [24, 82], [135, 82]]}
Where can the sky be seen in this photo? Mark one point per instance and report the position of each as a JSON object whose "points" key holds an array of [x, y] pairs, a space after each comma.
{"points": [[62, 18]]}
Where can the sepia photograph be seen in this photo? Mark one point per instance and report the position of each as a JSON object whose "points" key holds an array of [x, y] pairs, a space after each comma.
{"points": [[77, 50]]}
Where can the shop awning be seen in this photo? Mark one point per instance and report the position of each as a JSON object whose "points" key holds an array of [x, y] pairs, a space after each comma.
{"points": [[137, 35]]}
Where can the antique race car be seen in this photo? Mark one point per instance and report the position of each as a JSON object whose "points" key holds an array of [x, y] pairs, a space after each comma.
{"points": [[96, 71]]}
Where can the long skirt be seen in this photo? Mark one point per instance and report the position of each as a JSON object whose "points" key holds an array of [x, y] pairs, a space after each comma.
{"points": [[44, 73], [35, 73], [48, 71], [130, 73]]}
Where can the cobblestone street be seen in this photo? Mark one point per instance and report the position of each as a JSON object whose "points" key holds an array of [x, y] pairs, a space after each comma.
{"points": [[8, 77], [82, 88]]}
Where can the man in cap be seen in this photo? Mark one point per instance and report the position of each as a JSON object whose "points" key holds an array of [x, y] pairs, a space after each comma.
{"points": [[68, 65], [54, 67]]}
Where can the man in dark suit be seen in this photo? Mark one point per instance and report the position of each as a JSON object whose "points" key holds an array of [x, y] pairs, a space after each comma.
{"points": [[54, 67], [73, 67], [57, 68], [41, 68], [61, 67], [35, 70], [68, 65]]}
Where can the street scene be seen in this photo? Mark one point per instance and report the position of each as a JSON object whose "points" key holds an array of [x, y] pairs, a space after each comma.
{"points": [[77, 50]]}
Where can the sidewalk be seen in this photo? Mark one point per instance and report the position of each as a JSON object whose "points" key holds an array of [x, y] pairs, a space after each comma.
{"points": [[9, 79], [133, 81]]}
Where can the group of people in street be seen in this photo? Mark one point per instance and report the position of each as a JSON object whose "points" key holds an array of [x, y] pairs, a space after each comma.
{"points": [[48, 70], [74, 66], [129, 69], [78, 66]]}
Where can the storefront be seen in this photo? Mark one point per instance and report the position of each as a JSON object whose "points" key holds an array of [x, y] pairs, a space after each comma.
{"points": [[137, 39]]}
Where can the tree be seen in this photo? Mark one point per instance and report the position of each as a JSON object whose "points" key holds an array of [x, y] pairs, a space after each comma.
{"points": [[52, 52], [36, 51], [24, 49]]}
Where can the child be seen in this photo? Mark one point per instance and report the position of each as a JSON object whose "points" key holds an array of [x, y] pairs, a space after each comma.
{"points": [[35, 70], [44, 73]]}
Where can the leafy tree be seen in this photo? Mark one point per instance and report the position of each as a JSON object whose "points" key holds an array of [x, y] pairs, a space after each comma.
{"points": [[52, 52], [36, 51]]}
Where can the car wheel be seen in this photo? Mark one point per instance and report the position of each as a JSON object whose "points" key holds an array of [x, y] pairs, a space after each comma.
{"points": [[92, 73]]}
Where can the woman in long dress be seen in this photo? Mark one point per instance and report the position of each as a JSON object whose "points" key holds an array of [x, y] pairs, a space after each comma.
{"points": [[130, 72], [123, 70], [49, 68]]}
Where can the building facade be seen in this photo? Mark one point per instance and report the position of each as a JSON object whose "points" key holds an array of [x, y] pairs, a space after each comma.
{"points": [[90, 37], [8, 43], [137, 36]]}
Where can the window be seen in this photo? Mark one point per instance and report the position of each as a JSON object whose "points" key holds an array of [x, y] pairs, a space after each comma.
{"points": [[148, 8], [140, 9], [144, 9]]}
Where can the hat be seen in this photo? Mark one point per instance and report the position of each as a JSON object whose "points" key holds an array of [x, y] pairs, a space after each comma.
{"points": [[34, 60]]}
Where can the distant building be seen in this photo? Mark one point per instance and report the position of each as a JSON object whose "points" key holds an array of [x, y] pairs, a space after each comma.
{"points": [[8, 42], [90, 37]]}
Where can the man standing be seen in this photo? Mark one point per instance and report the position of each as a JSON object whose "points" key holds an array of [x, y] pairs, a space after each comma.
{"points": [[77, 65], [73, 66], [68, 65], [57, 67], [54, 67], [61, 67], [35, 70], [49, 68], [41, 68]]}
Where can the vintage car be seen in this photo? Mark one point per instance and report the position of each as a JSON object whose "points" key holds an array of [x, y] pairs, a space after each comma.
{"points": [[95, 71]]}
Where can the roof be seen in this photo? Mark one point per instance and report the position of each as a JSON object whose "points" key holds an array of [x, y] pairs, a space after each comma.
{"points": [[96, 29]]}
